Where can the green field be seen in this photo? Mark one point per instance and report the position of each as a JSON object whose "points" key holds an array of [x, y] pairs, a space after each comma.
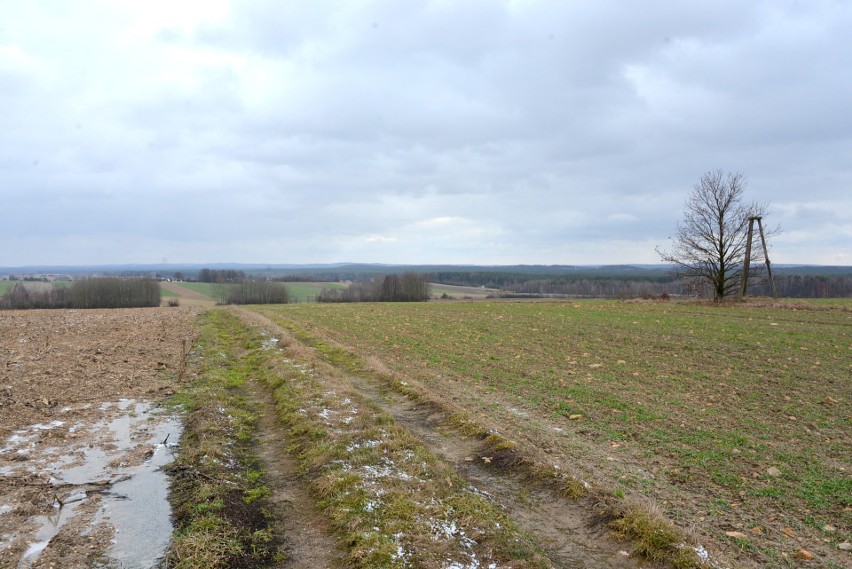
{"points": [[207, 289], [734, 420], [167, 293], [307, 291]]}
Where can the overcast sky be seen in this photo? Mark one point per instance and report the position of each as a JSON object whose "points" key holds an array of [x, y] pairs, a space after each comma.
{"points": [[563, 132]]}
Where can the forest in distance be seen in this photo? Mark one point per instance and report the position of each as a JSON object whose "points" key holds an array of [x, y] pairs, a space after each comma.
{"points": [[607, 281]]}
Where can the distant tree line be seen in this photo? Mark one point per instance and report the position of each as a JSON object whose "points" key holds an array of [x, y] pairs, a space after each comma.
{"points": [[28, 278], [599, 288], [221, 276], [808, 286], [294, 279], [408, 287], [788, 286], [101, 292], [254, 292], [511, 280]]}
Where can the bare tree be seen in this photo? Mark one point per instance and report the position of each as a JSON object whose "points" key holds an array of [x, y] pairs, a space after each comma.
{"points": [[710, 242]]}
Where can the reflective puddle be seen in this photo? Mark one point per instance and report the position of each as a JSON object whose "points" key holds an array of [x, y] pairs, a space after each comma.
{"points": [[106, 485]]}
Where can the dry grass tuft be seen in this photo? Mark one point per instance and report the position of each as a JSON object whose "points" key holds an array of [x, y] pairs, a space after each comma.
{"points": [[654, 537]]}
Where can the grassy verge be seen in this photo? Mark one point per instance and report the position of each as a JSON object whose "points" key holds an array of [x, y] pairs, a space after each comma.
{"points": [[734, 420], [218, 493]]}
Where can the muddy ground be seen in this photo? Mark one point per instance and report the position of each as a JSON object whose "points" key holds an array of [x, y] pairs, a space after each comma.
{"points": [[82, 434]]}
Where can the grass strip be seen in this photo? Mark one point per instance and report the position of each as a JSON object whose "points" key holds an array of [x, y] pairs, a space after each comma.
{"points": [[218, 494], [392, 502]]}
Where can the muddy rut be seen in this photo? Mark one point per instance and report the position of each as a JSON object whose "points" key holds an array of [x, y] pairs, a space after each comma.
{"points": [[307, 534], [568, 531]]}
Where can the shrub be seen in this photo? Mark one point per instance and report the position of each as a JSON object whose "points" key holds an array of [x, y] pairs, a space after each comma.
{"points": [[111, 292]]}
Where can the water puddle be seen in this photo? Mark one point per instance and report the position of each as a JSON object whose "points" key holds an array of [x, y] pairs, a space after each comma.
{"points": [[49, 527], [108, 474]]}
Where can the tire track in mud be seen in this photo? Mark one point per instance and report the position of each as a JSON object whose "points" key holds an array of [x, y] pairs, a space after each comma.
{"points": [[307, 534], [568, 531]]}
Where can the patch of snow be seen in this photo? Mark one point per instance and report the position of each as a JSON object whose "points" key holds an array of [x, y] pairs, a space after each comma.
{"points": [[401, 553], [372, 443], [478, 492], [444, 528], [703, 556]]}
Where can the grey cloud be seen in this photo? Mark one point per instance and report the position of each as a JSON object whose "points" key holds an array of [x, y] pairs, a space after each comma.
{"points": [[531, 131]]}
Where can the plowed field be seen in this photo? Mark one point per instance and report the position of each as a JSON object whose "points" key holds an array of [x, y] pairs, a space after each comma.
{"points": [[78, 418]]}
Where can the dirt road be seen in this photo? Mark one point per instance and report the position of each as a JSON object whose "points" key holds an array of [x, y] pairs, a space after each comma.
{"points": [[568, 531]]}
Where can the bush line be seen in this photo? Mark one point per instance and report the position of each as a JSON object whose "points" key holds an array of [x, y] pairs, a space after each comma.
{"points": [[100, 292]]}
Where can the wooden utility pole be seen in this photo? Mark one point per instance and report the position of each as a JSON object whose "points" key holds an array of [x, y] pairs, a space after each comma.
{"points": [[766, 257], [747, 261]]}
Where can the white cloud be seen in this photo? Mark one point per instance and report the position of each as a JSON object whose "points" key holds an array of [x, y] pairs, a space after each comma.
{"points": [[413, 132]]}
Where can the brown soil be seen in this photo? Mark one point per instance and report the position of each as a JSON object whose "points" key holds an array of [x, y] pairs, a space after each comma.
{"points": [[64, 376]]}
